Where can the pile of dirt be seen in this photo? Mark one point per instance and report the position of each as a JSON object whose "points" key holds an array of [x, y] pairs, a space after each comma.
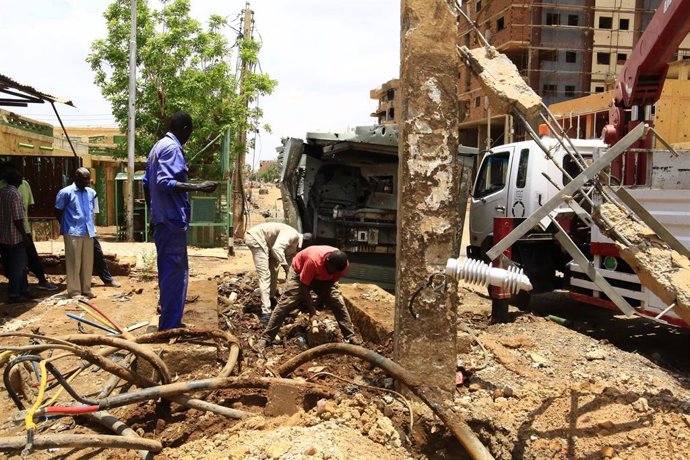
{"points": [[549, 392], [352, 428]]}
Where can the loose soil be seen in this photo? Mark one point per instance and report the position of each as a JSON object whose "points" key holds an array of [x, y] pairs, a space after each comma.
{"points": [[602, 387]]}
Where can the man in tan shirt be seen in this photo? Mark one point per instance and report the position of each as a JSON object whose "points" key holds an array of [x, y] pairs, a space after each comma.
{"points": [[273, 245]]}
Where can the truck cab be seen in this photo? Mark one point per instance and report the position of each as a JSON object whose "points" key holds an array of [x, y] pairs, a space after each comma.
{"points": [[510, 182]]}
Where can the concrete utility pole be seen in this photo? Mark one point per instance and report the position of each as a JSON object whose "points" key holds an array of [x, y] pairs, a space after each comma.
{"points": [[428, 191], [131, 113], [238, 199]]}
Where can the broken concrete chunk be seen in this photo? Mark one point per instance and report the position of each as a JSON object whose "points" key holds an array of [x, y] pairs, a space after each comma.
{"points": [[502, 81], [661, 269]]}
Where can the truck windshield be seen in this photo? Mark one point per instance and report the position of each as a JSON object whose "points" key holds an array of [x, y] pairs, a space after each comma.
{"points": [[492, 175]]}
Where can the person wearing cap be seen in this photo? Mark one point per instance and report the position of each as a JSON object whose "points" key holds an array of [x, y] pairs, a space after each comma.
{"points": [[273, 245], [318, 269]]}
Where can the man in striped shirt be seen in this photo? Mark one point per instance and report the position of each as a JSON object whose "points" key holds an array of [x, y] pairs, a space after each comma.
{"points": [[12, 238]]}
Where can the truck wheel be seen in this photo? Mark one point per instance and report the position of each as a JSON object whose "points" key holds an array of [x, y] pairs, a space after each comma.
{"points": [[499, 310], [521, 300]]}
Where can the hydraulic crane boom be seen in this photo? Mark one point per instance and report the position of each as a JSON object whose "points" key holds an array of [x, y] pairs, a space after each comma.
{"points": [[642, 79]]}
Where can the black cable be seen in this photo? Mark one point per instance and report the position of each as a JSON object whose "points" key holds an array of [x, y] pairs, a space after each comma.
{"points": [[50, 368], [6, 378]]}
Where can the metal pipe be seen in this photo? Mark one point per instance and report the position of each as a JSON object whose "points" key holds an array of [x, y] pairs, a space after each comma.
{"points": [[429, 395], [108, 421], [218, 383], [50, 441], [142, 352], [64, 131]]}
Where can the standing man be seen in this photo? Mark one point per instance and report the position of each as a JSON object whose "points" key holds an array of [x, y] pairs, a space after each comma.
{"points": [[12, 237], [317, 268], [272, 244], [34, 260], [165, 187], [75, 207]]}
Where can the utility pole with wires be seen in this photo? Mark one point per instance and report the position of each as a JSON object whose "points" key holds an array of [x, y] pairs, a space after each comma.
{"points": [[239, 221], [131, 113]]}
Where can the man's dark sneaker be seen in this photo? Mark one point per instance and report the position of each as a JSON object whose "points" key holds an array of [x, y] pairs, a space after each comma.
{"points": [[265, 318], [113, 283], [46, 286], [354, 340]]}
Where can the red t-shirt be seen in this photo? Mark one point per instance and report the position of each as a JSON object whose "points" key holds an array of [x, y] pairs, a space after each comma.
{"points": [[310, 263]]}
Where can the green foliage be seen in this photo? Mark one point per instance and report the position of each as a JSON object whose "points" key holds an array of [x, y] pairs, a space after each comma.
{"points": [[181, 65], [270, 174]]}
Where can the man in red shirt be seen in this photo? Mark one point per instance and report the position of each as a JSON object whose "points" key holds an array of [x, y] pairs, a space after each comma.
{"points": [[316, 268]]}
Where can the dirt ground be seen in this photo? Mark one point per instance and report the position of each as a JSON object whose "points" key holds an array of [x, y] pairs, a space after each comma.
{"points": [[602, 386]]}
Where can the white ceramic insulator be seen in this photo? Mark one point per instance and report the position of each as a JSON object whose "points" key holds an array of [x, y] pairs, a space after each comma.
{"points": [[477, 272]]}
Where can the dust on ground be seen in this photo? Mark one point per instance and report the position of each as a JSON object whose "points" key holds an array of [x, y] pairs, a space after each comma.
{"points": [[603, 387]]}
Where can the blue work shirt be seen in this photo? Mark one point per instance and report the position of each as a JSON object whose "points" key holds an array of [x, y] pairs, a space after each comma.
{"points": [[77, 208], [166, 167]]}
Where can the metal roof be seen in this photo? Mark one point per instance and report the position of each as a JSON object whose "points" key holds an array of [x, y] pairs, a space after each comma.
{"points": [[22, 95]]}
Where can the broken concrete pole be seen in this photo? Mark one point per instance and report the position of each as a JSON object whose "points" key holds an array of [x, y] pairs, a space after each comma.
{"points": [[503, 83], [428, 195], [662, 270]]}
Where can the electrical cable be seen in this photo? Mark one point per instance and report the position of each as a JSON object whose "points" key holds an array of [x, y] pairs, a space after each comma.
{"points": [[98, 310]]}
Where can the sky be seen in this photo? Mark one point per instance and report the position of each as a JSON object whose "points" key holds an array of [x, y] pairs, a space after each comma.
{"points": [[326, 55]]}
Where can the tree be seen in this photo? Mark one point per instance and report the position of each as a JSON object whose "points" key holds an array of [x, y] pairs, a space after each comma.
{"points": [[270, 173], [180, 66]]}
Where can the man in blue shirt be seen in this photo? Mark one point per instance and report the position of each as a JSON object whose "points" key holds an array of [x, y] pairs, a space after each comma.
{"points": [[165, 187], [75, 205]]}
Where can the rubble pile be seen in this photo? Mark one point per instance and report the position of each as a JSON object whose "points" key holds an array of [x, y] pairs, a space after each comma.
{"points": [[351, 428], [549, 392]]}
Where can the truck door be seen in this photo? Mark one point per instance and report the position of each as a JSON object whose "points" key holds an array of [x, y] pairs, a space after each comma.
{"points": [[489, 195]]}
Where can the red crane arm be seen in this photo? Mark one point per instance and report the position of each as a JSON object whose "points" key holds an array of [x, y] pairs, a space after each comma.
{"points": [[642, 78]]}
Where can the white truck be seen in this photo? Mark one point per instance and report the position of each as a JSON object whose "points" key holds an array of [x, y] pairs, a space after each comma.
{"points": [[514, 180]]}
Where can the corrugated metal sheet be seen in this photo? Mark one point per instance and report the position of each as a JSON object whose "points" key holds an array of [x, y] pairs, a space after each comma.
{"points": [[7, 83]]}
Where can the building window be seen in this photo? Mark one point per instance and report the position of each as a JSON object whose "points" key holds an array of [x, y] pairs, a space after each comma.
{"points": [[390, 115], [548, 55], [549, 91], [598, 89], [573, 20], [603, 58], [477, 101], [500, 24], [390, 94], [478, 6], [569, 91], [621, 58], [570, 56], [624, 24], [553, 19], [605, 22]]}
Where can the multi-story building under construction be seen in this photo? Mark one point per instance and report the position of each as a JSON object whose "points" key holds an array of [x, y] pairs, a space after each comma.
{"points": [[564, 50]]}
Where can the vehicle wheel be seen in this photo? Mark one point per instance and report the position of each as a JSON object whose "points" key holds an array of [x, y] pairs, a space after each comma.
{"points": [[521, 300], [499, 310]]}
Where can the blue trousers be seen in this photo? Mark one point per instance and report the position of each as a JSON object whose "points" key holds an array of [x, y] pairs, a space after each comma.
{"points": [[173, 271], [14, 261]]}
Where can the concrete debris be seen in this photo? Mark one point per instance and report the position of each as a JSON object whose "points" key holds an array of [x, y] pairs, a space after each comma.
{"points": [[661, 270], [500, 78], [595, 355]]}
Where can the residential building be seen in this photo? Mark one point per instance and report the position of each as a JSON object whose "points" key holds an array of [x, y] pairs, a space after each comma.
{"points": [[564, 49], [388, 102]]}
